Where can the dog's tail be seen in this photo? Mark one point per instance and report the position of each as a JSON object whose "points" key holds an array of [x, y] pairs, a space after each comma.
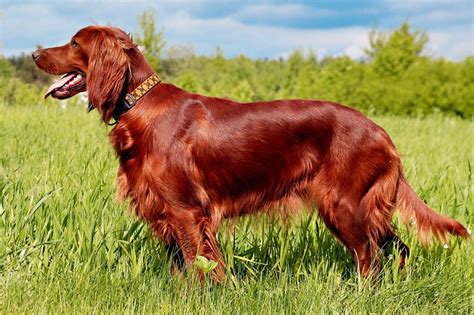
{"points": [[413, 210]]}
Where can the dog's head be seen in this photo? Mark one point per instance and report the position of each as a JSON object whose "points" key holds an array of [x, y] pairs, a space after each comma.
{"points": [[96, 59]]}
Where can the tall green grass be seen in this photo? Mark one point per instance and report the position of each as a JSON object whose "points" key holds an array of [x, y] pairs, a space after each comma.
{"points": [[66, 246]]}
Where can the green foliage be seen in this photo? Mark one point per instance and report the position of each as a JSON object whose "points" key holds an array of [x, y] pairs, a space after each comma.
{"points": [[28, 72], [149, 40], [67, 247], [205, 264], [180, 59], [393, 53], [242, 91], [188, 82], [298, 76], [6, 73], [7, 70], [14, 91]]}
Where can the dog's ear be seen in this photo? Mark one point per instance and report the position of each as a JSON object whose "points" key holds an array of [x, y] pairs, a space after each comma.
{"points": [[107, 72]]}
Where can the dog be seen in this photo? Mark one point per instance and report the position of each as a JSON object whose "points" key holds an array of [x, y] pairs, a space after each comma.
{"points": [[188, 161]]}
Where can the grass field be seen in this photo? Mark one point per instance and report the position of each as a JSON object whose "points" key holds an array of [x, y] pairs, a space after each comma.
{"points": [[66, 246]]}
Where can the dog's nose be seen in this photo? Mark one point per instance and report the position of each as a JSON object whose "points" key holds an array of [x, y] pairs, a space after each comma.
{"points": [[36, 54]]}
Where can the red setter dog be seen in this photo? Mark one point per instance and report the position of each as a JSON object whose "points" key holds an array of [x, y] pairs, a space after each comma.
{"points": [[189, 161]]}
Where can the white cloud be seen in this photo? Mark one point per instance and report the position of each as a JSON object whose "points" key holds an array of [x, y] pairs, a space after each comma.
{"points": [[455, 43], [432, 14], [259, 40], [355, 51], [444, 16], [279, 12], [240, 30], [273, 41]]}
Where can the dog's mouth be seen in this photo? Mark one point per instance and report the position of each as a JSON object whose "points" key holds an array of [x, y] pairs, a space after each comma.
{"points": [[69, 85]]}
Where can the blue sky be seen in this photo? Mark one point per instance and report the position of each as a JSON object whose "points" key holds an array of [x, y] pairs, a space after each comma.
{"points": [[260, 29]]}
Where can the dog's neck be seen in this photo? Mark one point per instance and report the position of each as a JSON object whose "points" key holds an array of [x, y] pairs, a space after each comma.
{"points": [[140, 70]]}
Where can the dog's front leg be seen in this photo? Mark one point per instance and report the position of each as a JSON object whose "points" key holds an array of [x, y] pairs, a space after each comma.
{"points": [[195, 237]]}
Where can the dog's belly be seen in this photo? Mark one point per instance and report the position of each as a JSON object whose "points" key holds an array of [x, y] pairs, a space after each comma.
{"points": [[261, 169]]}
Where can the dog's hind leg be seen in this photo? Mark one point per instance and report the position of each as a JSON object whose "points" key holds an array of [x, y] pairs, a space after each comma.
{"points": [[338, 214], [392, 240], [376, 209]]}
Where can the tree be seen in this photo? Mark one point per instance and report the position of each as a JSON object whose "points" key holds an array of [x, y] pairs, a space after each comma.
{"points": [[392, 53], [6, 68], [27, 71], [177, 60], [243, 91], [305, 85], [149, 40]]}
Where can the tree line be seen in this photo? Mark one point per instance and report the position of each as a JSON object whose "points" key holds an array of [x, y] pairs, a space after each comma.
{"points": [[394, 77]]}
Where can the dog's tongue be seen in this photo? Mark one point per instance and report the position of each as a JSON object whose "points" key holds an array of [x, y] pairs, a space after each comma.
{"points": [[59, 83]]}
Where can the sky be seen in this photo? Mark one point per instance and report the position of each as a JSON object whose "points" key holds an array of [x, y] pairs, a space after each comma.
{"points": [[258, 28]]}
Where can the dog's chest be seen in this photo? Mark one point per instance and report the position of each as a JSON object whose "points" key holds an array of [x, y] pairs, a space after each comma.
{"points": [[142, 162]]}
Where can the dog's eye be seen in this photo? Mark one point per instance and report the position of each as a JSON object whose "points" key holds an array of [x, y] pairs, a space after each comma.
{"points": [[74, 44]]}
